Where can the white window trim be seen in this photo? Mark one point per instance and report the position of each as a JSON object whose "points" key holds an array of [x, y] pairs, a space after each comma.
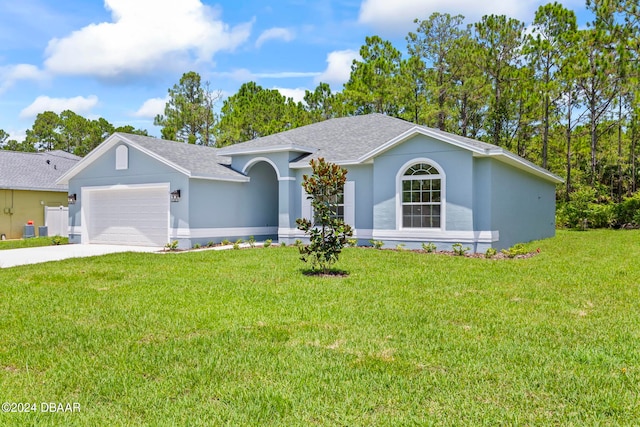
{"points": [[348, 203], [443, 193]]}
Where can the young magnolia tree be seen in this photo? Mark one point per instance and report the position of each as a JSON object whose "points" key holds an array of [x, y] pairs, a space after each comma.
{"points": [[327, 232]]}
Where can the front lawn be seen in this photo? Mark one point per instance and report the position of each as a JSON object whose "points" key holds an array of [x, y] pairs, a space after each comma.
{"points": [[242, 337], [33, 242]]}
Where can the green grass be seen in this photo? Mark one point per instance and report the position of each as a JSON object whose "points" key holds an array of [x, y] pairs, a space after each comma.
{"points": [[32, 242], [244, 338]]}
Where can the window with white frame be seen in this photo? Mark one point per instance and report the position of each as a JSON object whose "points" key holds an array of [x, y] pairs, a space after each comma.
{"points": [[343, 204], [421, 196]]}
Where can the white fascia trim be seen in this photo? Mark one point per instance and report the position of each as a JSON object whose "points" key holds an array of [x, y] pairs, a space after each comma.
{"points": [[203, 233], [219, 178], [299, 165], [522, 164], [436, 235], [114, 139], [415, 131], [271, 149]]}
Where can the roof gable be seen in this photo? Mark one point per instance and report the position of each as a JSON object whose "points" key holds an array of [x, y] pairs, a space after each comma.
{"points": [[191, 160]]}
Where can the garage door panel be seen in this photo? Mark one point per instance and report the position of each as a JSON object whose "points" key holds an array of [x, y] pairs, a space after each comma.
{"points": [[128, 216]]}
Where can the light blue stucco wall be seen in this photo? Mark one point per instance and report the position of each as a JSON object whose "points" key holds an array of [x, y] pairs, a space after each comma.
{"points": [[215, 204], [522, 205], [457, 165], [142, 169], [362, 176]]}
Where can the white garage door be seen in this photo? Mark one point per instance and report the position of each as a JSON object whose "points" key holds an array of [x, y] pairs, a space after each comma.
{"points": [[130, 216]]}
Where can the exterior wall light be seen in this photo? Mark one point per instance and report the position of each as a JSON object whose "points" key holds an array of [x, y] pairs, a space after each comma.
{"points": [[71, 199], [175, 196]]}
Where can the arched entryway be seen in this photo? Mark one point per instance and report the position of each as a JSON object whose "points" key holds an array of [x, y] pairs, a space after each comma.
{"points": [[262, 192]]}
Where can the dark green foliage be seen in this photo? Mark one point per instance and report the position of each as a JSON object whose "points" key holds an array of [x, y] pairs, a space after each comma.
{"points": [[188, 115], [328, 234]]}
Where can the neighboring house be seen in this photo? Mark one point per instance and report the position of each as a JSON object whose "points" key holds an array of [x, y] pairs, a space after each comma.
{"points": [[405, 184], [29, 192]]}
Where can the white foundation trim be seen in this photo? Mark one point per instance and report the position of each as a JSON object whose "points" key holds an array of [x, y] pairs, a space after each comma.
{"points": [[195, 233], [436, 235]]}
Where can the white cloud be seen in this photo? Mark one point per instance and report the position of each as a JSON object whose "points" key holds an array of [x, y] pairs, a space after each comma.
{"points": [[79, 105], [244, 75], [10, 74], [397, 17], [275, 34], [338, 67], [151, 108], [144, 35], [297, 94]]}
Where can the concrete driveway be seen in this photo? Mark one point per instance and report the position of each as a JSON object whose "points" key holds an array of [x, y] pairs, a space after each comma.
{"points": [[13, 257]]}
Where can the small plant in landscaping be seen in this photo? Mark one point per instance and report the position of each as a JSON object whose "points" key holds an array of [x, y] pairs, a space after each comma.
{"points": [[328, 233], [236, 244], [490, 253], [283, 244], [352, 242], [210, 244], [515, 250], [57, 240], [297, 243], [378, 244], [267, 243], [252, 241], [171, 246], [459, 250], [196, 246], [429, 247], [400, 247], [225, 242]]}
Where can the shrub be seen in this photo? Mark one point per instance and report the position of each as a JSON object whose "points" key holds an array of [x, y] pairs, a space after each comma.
{"points": [[490, 253], [196, 246], [352, 242], [378, 244], [225, 242], [283, 244], [628, 211], [327, 233], [236, 244], [267, 243], [429, 247], [172, 246], [252, 241], [459, 250], [57, 240], [400, 246], [210, 243], [515, 250]]}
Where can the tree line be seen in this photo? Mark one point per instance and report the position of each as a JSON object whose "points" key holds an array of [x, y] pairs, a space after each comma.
{"points": [[66, 131], [563, 97]]}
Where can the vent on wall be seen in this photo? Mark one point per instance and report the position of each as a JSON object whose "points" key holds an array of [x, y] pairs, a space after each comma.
{"points": [[122, 157]]}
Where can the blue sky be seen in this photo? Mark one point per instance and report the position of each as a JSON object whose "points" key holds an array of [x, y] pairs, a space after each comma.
{"points": [[116, 59]]}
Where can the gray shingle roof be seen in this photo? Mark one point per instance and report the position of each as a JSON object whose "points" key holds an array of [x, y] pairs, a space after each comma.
{"points": [[34, 171], [357, 138], [199, 161], [337, 140]]}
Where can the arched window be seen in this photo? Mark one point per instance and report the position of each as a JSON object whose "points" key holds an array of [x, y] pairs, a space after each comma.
{"points": [[421, 196]]}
